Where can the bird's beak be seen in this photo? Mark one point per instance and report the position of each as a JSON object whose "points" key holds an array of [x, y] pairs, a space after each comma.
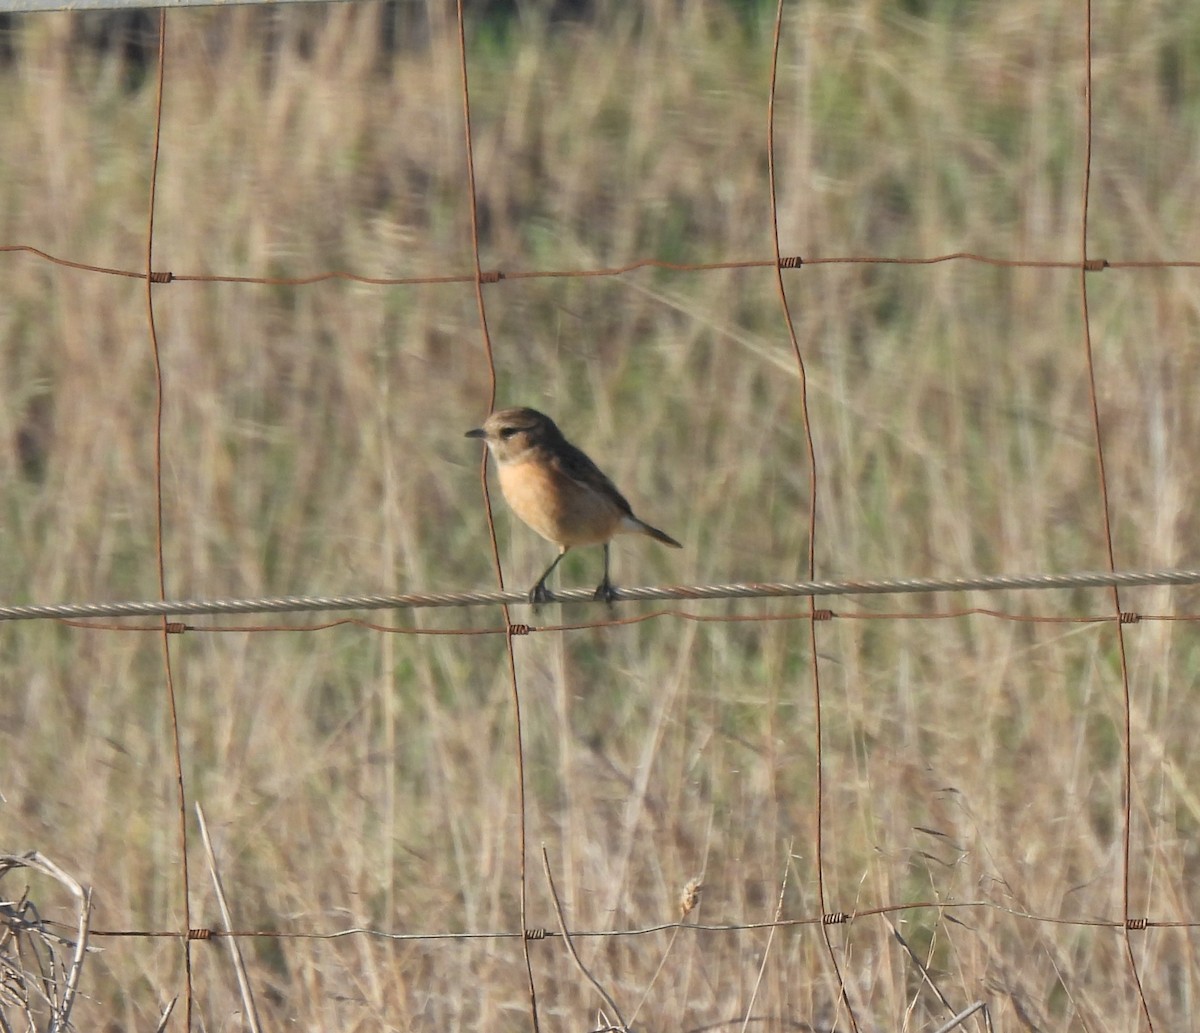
{"points": [[478, 432]]}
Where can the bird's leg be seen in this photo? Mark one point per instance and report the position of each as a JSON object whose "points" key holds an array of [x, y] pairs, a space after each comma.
{"points": [[605, 589], [538, 593]]}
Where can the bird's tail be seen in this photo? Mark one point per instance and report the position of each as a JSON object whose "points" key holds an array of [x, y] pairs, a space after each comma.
{"points": [[659, 536]]}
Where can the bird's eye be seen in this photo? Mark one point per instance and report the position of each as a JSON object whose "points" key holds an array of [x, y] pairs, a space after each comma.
{"points": [[508, 432]]}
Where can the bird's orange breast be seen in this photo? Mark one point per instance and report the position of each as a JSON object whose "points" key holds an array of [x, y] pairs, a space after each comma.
{"points": [[559, 508]]}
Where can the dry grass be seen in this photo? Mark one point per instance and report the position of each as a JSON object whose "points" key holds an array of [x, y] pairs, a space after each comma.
{"points": [[313, 443]]}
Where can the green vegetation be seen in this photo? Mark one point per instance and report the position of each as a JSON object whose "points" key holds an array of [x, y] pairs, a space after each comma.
{"points": [[313, 443]]}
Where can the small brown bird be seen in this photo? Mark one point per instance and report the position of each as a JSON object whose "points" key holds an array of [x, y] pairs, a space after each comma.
{"points": [[557, 490]]}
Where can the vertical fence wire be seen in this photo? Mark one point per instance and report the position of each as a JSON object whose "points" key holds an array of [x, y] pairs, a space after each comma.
{"points": [[159, 530], [813, 482], [510, 651], [1106, 513]]}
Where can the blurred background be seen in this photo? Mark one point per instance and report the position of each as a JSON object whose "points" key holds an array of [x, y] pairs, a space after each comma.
{"points": [[312, 443]]}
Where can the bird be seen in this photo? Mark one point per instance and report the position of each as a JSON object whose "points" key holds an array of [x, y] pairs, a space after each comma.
{"points": [[558, 491]]}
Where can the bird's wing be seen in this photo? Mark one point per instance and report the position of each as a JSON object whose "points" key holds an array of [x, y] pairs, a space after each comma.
{"points": [[573, 463]]}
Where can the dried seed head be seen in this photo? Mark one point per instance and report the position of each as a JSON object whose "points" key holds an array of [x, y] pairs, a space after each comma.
{"points": [[690, 896]]}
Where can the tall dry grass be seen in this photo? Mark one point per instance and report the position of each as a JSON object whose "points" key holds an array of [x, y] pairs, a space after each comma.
{"points": [[312, 442]]}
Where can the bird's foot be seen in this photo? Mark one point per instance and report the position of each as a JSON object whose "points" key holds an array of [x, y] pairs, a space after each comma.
{"points": [[605, 592], [539, 594]]}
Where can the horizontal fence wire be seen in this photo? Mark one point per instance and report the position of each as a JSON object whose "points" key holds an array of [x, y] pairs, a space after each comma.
{"points": [[538, 933], [34, 6], [736, 590], [162, 277]]}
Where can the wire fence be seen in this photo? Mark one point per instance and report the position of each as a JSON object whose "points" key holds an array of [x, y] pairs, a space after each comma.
{"points": [[755, 590], [827, 913]]}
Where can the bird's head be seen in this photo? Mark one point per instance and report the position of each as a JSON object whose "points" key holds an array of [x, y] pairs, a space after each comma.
{"points": [[509, 433]]}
